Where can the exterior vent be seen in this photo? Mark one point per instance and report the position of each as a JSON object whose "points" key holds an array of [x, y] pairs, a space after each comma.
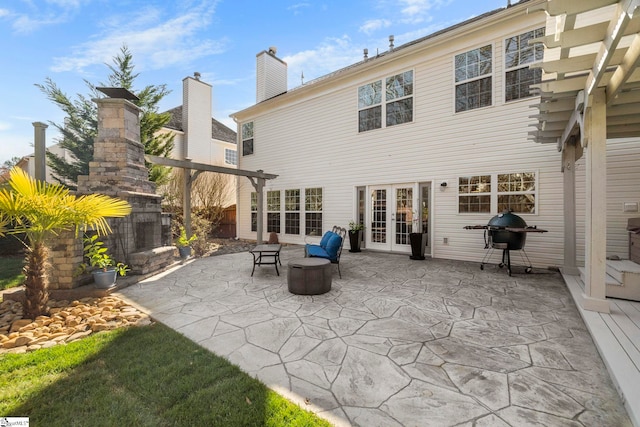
{"points": [[271, 75]]}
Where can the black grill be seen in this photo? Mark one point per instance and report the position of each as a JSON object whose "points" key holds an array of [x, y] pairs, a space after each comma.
{"points": [[507, 232]]}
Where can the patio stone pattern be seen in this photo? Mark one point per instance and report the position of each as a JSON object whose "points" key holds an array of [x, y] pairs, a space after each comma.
{"points": [[398, 342]]}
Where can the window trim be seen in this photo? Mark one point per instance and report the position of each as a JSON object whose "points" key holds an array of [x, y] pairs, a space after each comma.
{"points": [[384, 101], [289, 211], [270, 211], [229, 150], [490, 75], [320, 211], [506, 69], [494, 193], [252, 138]]}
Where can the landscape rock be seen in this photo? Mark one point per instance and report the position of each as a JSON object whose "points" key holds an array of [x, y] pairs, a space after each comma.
{"points": [[68, 321]]}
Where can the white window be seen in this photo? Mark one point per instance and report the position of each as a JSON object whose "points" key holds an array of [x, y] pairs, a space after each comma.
{"points": [[498, 192], [292, 211], [254, 211], [247, 138], [230, 156], [474, 194], [517, 192], [395, 103], [273, 211], [518, 54], [473, 78], [313, 211]]}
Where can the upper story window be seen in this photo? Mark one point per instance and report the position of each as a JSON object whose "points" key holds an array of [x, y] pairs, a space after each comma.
{"points": [[395, 103], [247, 138], [473, 77], [518, 54], [230, 156]]}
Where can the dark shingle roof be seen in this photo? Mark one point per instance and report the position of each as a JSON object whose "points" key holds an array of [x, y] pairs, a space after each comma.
{"points": [[218, 130]]}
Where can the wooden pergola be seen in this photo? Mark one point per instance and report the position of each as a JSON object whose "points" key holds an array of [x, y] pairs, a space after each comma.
{"points": [[192, 170], [590, 92]]}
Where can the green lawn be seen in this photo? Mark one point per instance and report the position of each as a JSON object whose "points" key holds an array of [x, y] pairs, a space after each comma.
{"points": [[141, 376], [11, 271]]}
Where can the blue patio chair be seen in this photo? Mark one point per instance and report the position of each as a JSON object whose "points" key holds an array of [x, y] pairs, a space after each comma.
{"points": [[330, 246]]}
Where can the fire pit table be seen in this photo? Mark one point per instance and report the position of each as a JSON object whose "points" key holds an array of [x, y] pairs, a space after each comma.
{"points": [[309, 276]]}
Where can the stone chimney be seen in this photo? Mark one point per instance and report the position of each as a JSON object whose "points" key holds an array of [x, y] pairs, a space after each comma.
{"points": [[271, 75], [196, 119]]}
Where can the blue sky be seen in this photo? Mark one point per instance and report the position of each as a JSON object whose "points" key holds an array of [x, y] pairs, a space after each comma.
{"points": [[72, 40]]}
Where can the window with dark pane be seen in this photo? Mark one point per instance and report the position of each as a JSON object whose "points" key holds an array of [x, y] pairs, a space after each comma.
{"points": [[254, 211], [292, 211], [518, 56], [247, 138], [313, 211], [273, 211], [473, 71]]}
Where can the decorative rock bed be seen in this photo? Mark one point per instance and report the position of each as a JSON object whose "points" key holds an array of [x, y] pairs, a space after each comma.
{"points": [[68, 321]]}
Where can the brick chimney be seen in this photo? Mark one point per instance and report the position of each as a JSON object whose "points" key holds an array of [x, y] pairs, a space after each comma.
{"points": [[271, 75]]}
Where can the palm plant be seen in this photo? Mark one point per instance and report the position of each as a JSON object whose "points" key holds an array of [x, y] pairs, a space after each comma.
{"points": [[41, 211]]}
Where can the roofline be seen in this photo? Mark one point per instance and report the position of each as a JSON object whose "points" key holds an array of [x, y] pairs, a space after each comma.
{"points": [[441, 36]]}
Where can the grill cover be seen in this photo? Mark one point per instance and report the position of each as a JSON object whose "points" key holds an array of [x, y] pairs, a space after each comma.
{"points": [[497, 224]]}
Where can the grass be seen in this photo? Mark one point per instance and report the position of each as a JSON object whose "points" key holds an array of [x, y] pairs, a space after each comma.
{"points": [[11, 272], [141, 376]]}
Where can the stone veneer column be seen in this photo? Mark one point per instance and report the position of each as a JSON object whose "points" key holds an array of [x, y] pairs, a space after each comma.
{"points": [[118, 156], [117, 170]]}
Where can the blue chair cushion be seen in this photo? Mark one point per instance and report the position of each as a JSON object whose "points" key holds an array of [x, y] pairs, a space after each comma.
{"points": [[317, 251], [333, 246], [325, 239]]}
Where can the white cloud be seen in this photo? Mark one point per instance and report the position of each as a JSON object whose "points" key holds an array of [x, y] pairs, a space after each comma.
{"points": [[417, 11], [331, 55], [154, 44], [374, 24], [4, 12], [5, 126], [297, 8]]}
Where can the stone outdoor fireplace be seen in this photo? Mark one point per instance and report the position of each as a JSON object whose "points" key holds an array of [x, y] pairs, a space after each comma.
{"points": [[118, 170]]}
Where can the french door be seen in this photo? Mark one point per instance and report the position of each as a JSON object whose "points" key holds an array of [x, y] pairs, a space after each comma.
{"points": [[393, 215]]}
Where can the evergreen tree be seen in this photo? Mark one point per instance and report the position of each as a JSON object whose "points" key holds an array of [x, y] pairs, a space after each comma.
{"points": [[80, 126]]}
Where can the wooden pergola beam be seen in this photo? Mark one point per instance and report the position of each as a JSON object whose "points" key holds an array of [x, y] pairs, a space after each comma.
{"points": [[257, 178]]}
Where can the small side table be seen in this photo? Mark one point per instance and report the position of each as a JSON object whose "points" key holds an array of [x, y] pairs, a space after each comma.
{"points": [[266, 255], [309, 276]]}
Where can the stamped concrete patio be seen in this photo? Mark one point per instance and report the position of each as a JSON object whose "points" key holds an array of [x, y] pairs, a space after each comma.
{"points": [[397, 342]]}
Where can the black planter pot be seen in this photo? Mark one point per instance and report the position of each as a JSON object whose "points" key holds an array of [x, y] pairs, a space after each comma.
{"points": [[354, 240], [418, 245]]}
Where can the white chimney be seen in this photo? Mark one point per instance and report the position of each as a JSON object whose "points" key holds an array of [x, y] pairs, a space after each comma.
{"points": [[271, 75], [196, 119]]}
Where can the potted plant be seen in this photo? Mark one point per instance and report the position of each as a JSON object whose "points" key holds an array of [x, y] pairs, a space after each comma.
{"points": [[184, 243], [418, 241], [355, 236], [107, 269]]}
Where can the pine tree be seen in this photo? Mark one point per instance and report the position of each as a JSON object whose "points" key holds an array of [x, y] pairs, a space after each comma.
{"points": [[80, 126]]}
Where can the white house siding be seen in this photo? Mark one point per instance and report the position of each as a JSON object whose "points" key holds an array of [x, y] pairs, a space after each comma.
{"points": [[623, 175], [310, 139]]}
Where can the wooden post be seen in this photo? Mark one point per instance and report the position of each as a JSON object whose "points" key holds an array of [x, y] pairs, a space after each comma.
{"points": [[40, 151], [595, 123], [258, 185], [569, 191], [186, 197]]}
